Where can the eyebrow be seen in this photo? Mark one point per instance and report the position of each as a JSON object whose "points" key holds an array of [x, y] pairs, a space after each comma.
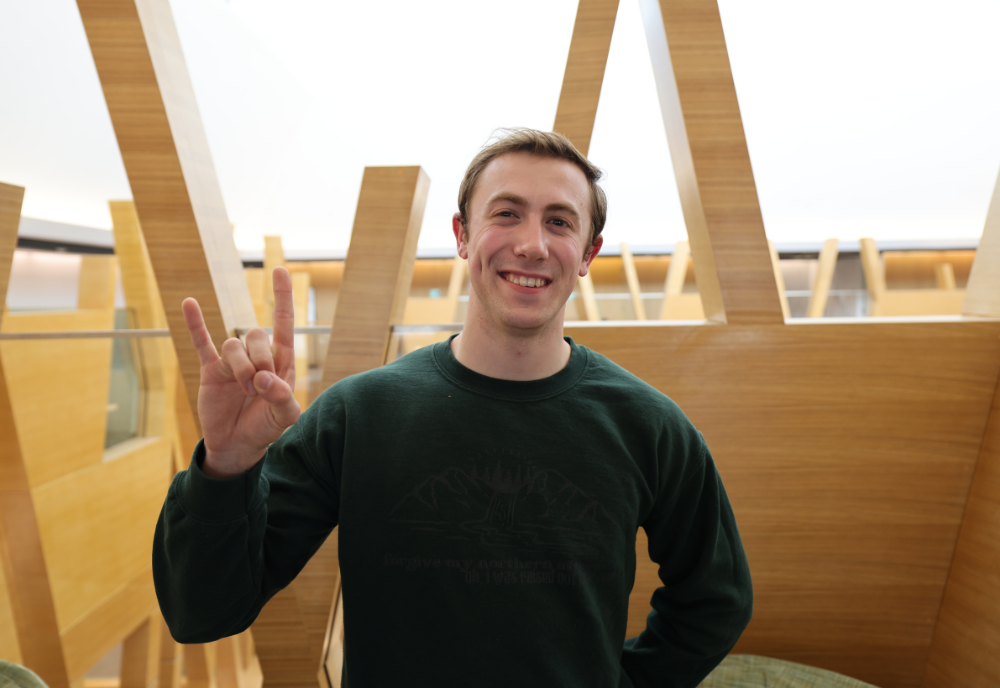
{"points": [[520, 200]]}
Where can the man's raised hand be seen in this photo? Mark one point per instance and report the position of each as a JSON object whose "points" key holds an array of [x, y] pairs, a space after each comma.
{"points": [[245, 400]]}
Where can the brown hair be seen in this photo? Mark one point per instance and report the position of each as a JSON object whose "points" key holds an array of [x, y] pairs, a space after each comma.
{"points": [[546, 144]]}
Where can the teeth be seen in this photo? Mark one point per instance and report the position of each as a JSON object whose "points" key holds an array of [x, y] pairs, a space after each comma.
{"points": [[526, 281]]}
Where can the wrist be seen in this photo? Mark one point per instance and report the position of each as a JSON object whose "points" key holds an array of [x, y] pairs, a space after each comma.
{"points": [[222, 465]]}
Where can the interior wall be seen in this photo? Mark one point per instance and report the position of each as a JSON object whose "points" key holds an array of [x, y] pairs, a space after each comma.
{"points": [[847, 451]]}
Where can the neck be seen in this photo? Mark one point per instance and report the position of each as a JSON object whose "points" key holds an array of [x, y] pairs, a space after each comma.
{"points": [[508, 354]]}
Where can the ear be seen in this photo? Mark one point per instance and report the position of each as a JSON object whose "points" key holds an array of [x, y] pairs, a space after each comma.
{"points": [[461, 236], [591, 253]]}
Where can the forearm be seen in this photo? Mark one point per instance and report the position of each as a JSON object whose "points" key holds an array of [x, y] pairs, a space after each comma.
{"points": [[207, 554], [706, 600]]}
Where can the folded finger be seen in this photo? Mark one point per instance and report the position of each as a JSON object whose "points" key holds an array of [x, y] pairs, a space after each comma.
{"points": [[200, 337], [234, 355], [259, 349], [278, 393]]}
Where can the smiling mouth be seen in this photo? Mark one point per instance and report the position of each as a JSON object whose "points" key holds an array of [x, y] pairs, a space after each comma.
{"points": [[521, 280]]}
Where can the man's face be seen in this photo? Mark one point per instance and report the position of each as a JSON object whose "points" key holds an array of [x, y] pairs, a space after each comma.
{"points": [[527, 240]]}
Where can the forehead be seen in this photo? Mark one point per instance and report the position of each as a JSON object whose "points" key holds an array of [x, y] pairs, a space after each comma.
{"points": [[538, 179]]}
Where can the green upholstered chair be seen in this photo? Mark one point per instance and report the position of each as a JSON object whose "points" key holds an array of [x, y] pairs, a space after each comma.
{"points": [[751, 671]]}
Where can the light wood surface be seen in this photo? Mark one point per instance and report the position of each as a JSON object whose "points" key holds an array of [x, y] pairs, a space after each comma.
{"points": [[274, 255], [29, 602], [967, 636], [332, 666], [378, 269], [142, 298], [886, 302], [586, 287], [847, 465], [871, 265], [289, 631], [584, 75], [676, 304], [97, 523], [171, 659], [711, 161], [96, 285], [200, 666], [141, 655], [779, 279], [632, 280], [11, 198], [36, 369], [944, 274], [149, 95], [827, 264], [983, 291]]}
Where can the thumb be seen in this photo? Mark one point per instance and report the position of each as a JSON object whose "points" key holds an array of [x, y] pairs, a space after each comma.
{"points": [[278, 394]]}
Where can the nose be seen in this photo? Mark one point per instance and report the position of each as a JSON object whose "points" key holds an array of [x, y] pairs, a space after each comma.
{"points": [[531, 241]]}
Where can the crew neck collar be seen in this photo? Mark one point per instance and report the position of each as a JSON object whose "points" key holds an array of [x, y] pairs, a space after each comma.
{"points": [[510, 390]]}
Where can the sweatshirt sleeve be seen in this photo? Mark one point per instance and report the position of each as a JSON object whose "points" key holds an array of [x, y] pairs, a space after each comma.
{"points": [[706, 599], [223, 548]]}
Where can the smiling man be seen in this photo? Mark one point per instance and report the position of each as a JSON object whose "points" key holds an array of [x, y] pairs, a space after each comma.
{"points": [[488, 489]]}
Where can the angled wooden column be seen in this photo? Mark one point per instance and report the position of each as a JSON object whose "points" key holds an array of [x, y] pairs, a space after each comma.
{"points": [[584, 76], [824, 278], [289, 631], [96, 285], [177, 196], [632, 279], [982, 293], [711, 162], [141, 655], [21, 553], [378, 269]]}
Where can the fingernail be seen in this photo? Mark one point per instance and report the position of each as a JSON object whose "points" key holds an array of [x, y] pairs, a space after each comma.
{"points": [[265, 381], [250, 388]]}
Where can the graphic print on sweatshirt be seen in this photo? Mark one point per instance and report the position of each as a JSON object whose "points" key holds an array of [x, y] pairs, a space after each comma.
{"points": [[506, 502]]}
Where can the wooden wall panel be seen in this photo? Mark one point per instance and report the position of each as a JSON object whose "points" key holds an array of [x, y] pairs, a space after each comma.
{"points": [[584, 75], [97, 525], [378, 269], [967, 636], [11, 198], [711, 162], [37, 371], [163, 145], [847, 466]]}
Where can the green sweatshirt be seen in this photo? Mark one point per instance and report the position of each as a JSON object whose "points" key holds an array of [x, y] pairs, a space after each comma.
{"points": [[487, 529]]}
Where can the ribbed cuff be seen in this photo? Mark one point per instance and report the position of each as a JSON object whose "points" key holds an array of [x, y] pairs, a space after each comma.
{"points": [[218, 499]]}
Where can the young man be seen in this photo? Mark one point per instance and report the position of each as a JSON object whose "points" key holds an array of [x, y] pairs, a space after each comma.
{"points": [[488, 489]]}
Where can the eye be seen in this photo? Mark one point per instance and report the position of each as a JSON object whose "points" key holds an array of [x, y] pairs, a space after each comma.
{"points": [[559, 222]]}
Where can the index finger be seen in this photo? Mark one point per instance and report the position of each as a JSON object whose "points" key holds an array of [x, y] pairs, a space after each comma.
{"points": [[283, 320], [199, 333]]}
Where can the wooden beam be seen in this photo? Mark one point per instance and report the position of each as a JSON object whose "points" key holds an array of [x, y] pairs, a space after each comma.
{"points": [[944, 275], [967, 635], [982, 293], [378, 269], [871, 265], [584, 76], [586, 285], [274, 255], [11, 198], [141, 655], [152, 105], [21, 552], [824, 278], [632, 279], [779, 279], [97, 282], [711, 162]]}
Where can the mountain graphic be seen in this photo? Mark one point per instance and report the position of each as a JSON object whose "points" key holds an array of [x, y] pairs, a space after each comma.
{"points": [[530, 509]]}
